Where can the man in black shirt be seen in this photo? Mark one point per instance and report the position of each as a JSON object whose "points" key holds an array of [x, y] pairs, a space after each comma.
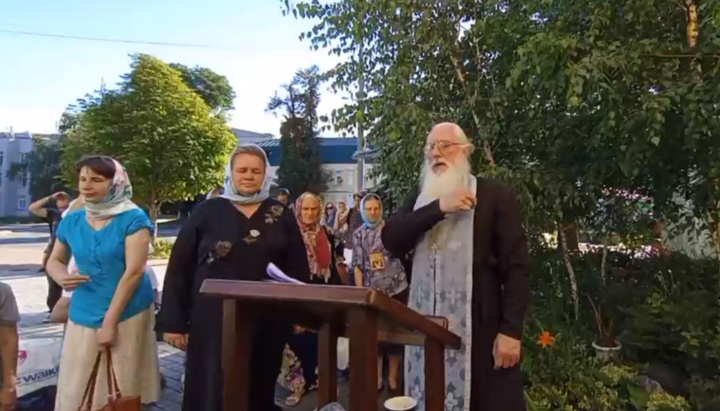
{"points": [[43, 208]]}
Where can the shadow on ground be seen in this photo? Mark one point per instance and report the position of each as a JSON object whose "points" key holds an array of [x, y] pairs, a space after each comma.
{"points": [[20, 271], [172, 366]]}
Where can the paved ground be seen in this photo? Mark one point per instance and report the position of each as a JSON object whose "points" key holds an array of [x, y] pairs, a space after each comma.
{"points": [[21, 249]]}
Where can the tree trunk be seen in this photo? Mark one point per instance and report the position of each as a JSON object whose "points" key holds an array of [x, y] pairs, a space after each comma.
{"points": [[691, 15], [153, 208], [692, 31], [714, 224], [571, 273], [603, 262], [569, 233]]}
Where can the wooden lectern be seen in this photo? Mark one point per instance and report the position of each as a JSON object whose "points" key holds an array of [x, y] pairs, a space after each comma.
{"points": [[363, 315]]}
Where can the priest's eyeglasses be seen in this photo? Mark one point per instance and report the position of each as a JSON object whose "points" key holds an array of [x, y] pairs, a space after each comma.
{"points": [[443, 146]]}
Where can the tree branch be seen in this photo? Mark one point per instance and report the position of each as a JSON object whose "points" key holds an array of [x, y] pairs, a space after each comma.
{"points": [[471, 101], [686, 56]]}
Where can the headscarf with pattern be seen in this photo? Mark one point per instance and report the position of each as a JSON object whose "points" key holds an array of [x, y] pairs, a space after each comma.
{"points": [[117, 200], [317, 243], [366, 220]]}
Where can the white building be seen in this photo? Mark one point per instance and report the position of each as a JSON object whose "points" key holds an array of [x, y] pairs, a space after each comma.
{"points": [[14, 193]]}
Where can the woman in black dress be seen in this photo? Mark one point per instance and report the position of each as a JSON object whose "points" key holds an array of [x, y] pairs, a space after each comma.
{"points": [[299, 371], [233, 236]]}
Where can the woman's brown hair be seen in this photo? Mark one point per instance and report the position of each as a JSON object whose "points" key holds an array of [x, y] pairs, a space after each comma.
{"points": [[102, 165]]}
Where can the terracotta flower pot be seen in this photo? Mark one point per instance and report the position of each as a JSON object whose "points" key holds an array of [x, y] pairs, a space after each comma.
{"points": [[607, 353]]}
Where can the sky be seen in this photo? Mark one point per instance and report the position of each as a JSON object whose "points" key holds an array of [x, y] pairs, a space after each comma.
{"points": [[40, 76]]}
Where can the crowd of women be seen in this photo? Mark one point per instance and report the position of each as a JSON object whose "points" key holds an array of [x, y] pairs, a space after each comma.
{"points": [[234, 235]]}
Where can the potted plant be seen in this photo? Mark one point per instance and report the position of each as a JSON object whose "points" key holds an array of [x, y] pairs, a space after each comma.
{"points": [[606, 346]]}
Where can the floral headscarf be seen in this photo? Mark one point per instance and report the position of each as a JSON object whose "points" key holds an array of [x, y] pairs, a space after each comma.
{"points": [[366, 220], [229, 190], [117, 200], [317, 244]]}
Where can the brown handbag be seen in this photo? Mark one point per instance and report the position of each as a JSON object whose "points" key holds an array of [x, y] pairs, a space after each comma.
{"points": [[116, 401]]}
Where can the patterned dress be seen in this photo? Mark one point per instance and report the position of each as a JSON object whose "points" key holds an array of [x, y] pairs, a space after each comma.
{"points": [[300, 359], [390, 279], [387, 276]]}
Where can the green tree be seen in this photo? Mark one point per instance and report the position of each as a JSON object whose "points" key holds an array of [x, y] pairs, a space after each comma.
{"points": [[215, 89], [162, 132], [562, 99], [43, 166], [300, 161]]}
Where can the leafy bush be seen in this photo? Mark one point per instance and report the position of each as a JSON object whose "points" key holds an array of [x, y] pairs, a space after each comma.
{"points": [[563, 376], [666, 310], [662, 401], [704, 394], [162, 248]]}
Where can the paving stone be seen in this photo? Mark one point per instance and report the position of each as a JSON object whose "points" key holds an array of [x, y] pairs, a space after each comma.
{"points": [[19, 265]]}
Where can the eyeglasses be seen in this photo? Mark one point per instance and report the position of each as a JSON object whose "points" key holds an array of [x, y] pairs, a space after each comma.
{"points": [[442, 146]]}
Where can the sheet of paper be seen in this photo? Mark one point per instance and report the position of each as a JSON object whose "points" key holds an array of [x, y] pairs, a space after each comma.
{"points": [[276, 274]]}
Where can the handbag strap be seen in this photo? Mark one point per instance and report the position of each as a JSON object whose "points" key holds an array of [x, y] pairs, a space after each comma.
{"points": [[113, 389], [87, 399]]}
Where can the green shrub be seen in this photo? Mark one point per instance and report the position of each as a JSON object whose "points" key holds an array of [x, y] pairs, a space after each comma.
{"points": [[564, 376], [662, 401], [666, 311], [162, 248], [704, 393]]}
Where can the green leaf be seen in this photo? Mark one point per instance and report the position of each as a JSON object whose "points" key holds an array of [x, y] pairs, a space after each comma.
{"points": [[638, 396]]}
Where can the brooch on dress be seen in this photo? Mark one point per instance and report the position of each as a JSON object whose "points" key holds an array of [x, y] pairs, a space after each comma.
{"points": [[252, 237], [274, 214], [220, 250]]}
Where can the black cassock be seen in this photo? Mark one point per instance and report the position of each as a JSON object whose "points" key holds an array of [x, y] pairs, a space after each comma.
{"points": [[271, 234], [500, 283]]}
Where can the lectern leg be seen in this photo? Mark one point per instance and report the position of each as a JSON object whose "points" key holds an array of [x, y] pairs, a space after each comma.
{"points": [[363, 360], [327, 365], [238, 328], [434, 375]]}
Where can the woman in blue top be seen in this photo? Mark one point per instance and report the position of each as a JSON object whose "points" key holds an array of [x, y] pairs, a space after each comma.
{"points": [[112, 304]]}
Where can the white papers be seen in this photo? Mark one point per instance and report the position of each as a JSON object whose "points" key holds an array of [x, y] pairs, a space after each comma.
{"points": [[276, 274]]}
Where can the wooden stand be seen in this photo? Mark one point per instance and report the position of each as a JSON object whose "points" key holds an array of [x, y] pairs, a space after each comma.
{"points": [[363, 315]]}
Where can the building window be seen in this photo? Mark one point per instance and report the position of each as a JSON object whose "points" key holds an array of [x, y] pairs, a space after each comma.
{"points": [[339, 180], [24, 179], [24, 158], [351, 177], [0, 178], [329, 177], [21, 203], [2, 157], [369, 180]]}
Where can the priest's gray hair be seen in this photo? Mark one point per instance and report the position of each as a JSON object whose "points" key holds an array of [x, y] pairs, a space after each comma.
{"points": [[458, 133], [457, 130]]}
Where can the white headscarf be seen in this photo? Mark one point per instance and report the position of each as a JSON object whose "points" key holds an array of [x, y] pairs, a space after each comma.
{"points": [[67, 210], [117, 200], [229, 190]]}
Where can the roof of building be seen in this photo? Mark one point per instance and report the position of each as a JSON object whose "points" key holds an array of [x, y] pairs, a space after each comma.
{"points": [[25, 135], [333, 150], [245, 136]]}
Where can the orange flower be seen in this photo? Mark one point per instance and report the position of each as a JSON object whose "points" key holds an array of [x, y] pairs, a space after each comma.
{"points": [[546, 339]]}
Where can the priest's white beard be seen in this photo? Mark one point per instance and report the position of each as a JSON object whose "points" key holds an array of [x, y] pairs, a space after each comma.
{"points": [[435, 186]]}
